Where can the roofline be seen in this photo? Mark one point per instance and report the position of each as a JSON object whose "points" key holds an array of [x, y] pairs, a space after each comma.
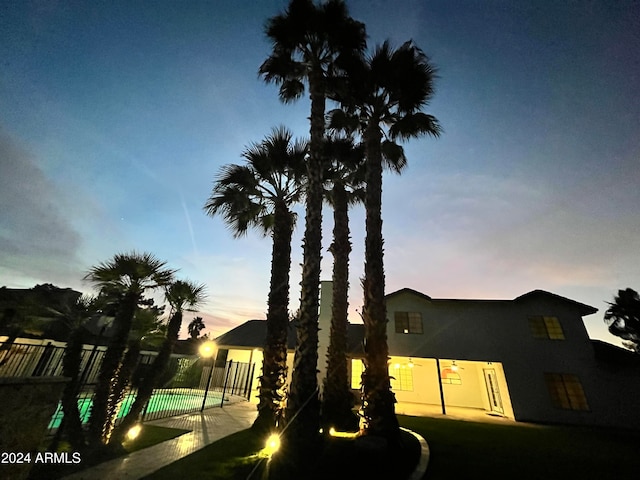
{"points": [[585, 309], [408, 290]]}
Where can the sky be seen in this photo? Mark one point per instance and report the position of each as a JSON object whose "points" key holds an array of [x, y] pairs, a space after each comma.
{"points": [[115, 118]]}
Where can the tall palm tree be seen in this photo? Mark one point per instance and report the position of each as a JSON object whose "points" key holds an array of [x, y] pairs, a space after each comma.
{"points": [[260, 194], [309, 43], [623, 318], [345, 187], [383, 101], [181, 295], [127, 276]]}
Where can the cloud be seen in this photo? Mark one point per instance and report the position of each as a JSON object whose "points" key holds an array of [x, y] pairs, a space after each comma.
{"points": [[469, 233], [37, 238]]}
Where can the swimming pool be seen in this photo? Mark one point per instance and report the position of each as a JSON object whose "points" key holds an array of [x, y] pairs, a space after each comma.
{"points": [[163, 403]]}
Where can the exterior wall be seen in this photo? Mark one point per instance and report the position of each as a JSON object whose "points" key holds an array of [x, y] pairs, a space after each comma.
{"points": [[499, 332], [324, 332], [254, 355]]}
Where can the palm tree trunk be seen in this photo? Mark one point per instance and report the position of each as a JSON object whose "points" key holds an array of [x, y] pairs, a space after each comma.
{"points": [[337, 400], [378, 400], [303, 400], [274, 365], [150, 381], [72, 424], [111, 363], [125, 372]]}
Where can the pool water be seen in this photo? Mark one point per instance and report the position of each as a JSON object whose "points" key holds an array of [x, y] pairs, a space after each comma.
{"points": [[161, 401]]}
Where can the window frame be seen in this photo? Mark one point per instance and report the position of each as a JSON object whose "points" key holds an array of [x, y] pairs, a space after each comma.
{"points": [[546, 327], [566, 391], [410, 324]]}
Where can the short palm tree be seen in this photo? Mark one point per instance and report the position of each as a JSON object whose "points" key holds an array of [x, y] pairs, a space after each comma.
{"points": [[309, 44], [383, 102], [181, 295], [75, 316], [260, 195], [345, 187], [623, 318], [126, 277]]}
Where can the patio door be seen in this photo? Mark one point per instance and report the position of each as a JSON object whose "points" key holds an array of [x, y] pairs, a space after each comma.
{"points": [[491, 380]]}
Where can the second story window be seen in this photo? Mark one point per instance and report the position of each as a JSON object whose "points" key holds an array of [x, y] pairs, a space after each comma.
{"points": [[408, 322], [546, 327]]}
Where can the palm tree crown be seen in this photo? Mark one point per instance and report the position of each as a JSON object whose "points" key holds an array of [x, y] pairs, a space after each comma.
{"points": [[132, 272], [246, 196]]}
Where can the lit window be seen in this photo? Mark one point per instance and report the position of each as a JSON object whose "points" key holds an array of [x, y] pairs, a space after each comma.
{"points": [[357, 367], [401, 377], [566, 391], [450, 376], [408, 322], [546, 327]]}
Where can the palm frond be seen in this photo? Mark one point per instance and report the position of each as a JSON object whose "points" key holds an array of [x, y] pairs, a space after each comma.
{"points": [[414, 125], [393, 156]]}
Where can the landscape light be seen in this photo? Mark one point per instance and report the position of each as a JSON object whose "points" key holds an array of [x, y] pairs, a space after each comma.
{"points": [[207, 349], [134, 432], [273, 444]]}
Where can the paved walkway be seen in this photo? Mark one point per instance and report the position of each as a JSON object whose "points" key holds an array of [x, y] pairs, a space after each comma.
{"points": [[207, 427]]}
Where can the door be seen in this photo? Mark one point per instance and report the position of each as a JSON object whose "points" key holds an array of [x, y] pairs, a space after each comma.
{"points": [[491, 380]]}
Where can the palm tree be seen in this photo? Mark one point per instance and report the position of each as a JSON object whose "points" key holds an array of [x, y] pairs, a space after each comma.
{"points": [[181, 295], [260, 195], [345, 177], [309, 44], [383, 102], [74, 316], [195, 327], [127, 276], [623, 318]]}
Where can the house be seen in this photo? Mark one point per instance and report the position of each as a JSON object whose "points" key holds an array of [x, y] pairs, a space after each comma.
{"points": [[526, 359]]}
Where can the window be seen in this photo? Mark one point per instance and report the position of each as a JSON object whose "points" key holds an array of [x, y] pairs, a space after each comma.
{"points": [[357, 367], [408, 322], [546, 327], [450, 376], [566, 391], [401, 377]]}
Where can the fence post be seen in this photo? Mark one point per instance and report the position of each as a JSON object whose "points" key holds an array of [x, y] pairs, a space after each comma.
{"points": [[226, 379], [250, 381]]}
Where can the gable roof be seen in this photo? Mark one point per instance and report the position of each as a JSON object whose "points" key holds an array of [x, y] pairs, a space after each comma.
{"points": [[407, 290], [583, 308]]}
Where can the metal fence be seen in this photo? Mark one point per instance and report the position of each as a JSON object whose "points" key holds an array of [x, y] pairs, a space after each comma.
{"points": [[189, 384]]}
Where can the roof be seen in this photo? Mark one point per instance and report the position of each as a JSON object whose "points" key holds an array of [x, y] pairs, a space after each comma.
{"points": [[252, 334], [613, 355], [582, 308], [407, 290]]}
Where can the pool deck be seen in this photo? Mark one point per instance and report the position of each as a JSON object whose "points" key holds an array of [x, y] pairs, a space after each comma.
{"points": [[207, 427]]}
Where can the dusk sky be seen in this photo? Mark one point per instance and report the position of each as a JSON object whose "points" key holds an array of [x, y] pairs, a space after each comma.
{"points": [[115, 118]]}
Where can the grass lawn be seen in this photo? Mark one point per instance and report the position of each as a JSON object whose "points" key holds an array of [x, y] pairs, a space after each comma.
{"points": [[459, 449], [234, 458], [462, 449]]}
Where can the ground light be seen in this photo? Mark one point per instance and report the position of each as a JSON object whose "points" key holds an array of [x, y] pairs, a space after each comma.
{"points": [[134, 432], [334, 433], [272, 445]]}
